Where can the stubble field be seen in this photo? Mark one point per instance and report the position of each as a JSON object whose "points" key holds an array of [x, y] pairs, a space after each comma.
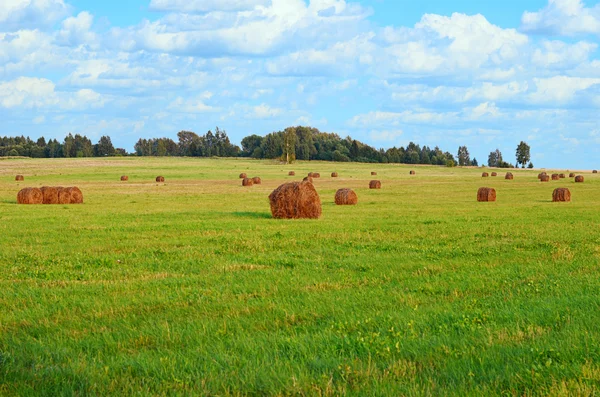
{"points": [[191, 288]]}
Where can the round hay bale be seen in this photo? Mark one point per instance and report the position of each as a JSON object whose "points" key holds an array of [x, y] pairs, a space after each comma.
{"points": [[595, 172], [295, 200], [555, 177], [247, 182], [494, 174], [346, 197], [316, 175], [579, 179], [30, 195], [544, 178], [160, 179], [124, 178], [509, 176], [373, 173], [572, 175], [75, 195], [243, 175], [19, 178], [310, 174], [562, 176], [561, 195], [413, 172], [307, 179], [291, 173], [50, 194], [485, 175], [541, 174], [334, 174], [64, 196], [486, 194], [256, 180], [375, 185]]}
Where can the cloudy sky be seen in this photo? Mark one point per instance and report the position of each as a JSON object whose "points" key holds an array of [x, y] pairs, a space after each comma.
{"points": [[437, 72]]}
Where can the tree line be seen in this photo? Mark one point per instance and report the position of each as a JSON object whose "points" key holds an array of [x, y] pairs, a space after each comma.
{"points": [[293, 143]]}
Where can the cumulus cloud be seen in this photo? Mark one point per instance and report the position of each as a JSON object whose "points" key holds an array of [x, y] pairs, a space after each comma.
{"points": [[563, 17], [23, 14]]}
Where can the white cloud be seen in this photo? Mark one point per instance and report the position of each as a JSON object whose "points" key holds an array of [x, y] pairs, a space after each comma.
{"points": [[559, 54], [76, 30], [565, 17], [191, 105], [385, 135], [27, 92], [18, 14], [205, 5], [561, 89], [264, 111]]}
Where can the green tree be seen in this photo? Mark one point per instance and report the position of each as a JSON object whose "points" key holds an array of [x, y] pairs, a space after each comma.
{"points": [[289, 145], [104, 147], [250, 143], [523, 154], [463, 156], [495, 158]]}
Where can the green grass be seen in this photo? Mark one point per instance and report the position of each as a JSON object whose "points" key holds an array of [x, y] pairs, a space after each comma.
{"points": [[190, 288]]}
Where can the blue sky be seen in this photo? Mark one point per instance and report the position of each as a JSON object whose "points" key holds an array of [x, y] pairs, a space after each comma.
{"points": [[477, 73]]}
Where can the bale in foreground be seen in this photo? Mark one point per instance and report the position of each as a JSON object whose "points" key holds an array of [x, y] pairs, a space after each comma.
{"points": [[346, 197], [375, 185], [561, 195], [50, 195], [296, 200], [124, 178], [160, 179], [74, 194], [247, 182], [30, 195], [509, 176], [579, 179], [19, 178], [486, 194], [307, 179]]}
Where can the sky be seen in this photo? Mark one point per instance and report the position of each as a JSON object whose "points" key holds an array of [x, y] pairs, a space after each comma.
{"points": [[436, 72]]}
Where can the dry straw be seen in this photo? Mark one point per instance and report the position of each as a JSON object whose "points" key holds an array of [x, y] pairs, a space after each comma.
{"points": [[346, 197], [555, 177], [291, 173], [19, 178], [373, 173], [50, 195], [494, 174], [572, 175], [561, 195], [247, 182], [509, 176], [485, 175], [334, 174], [375, 185], [30, 195], [579, 179], [316, 175], [295, 200], [243, 175], [308, 179], [486, 194], [160, 179], [413, 172], [256, 180], [544, 178], [124, 178]]}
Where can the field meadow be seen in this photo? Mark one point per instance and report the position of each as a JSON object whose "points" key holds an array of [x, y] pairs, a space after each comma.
{"points": [[189, 287]]}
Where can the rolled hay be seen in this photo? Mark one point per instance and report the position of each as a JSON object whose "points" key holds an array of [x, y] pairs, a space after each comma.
{"points": [[561, 195], [494, 174], [19, 178], [64, 196], [562, 176], [160, 179], [509, 176], [555, 177], [541, 174], [295, 200], [486, 194], [50, 195], [307, 179], [413, 172], [334, 174], [75, 195], [256, 180], [544, 178], [572, 175], [243, 175], [316, 175], [579, 179], [346, 197], [30, 195], [310, 174], [373, 173], [594, 171], [485, 175], [247, 182], [291, 173], [375, 185], [124, 178]]}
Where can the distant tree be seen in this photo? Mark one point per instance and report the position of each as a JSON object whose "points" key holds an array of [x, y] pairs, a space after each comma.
{"points": [[120, 152], [41, 142], [187, 139], [161, 148], [530, 165], [289, 145], [495, 158], [463, 156], [474, 163], [250, 143], [523, 154], [104, 147]]}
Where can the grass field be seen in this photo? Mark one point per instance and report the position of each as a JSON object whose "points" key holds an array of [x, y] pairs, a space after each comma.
{"points": [[190, 288]]}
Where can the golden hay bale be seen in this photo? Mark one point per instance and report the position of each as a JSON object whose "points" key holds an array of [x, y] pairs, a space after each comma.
{"points": [[594, 171], [509, 176], [579, 179], [30, 195], [334, 174], [243, 175], [486, 194], [124, 178], [50, 194], [247, 182], [373, 173], [295, 200], [316, 175], [375, 185], [572, 175], [544, 178], [64, 196], [160, 179], [19, 178], [291, 173], [541, 174], [562, 176], [256, 180], [485, 175], [307, 179], [346, 197], [555, 177], [413, 173], [494, 174], [561, 194], [75, 195], [310, 174]]}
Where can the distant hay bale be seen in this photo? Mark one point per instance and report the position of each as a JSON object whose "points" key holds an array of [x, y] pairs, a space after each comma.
{"points": [[334, 174], [494, 174], [316, 175], [30, 195], [308, 179], [64, 196], [413, 172], [256, 180], [243, 175], [346, 197], [485, 175], [375, 185], [373, 173], [75, 195], [486, 194], [562, 176], [247, 182], [509, 176], [541, 174], [555, 177], [291, 173], [310, 174], [561, 195], [124, 178], [594, 171], [544, 178], [50, 194], [160, 179], [579, 179], [295, 200], [19, 178], [572, 175]]}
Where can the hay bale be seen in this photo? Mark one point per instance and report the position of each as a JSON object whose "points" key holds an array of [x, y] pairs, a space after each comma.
{"points": [[486, 194], [579, 179], [247, 182], [555, 177], [541, 174], [494, 174], [561, 195], [291, 173], [346, 197], [375, 185], [595, 172], [485, 175], [572, 175], [30, 195], [243, 175], [124, 178], [307, 179], [509, 176], [64, 196], [310, 174], [256, 180], [50, 194], [334, 174], [373, 173], [160, 179], [544, 178], [19, 178], [562, 176], [295, 200], [316, 175], [413, 172], [75, 195]]}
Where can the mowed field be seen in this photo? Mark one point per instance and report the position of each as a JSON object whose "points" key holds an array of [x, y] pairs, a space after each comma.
{"points": [[191, 288]]}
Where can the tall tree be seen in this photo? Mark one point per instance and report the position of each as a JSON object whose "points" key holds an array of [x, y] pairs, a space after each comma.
{"points": [[289, 145], [463, 156], [104, 147], [495, 158], [523, 154]]}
